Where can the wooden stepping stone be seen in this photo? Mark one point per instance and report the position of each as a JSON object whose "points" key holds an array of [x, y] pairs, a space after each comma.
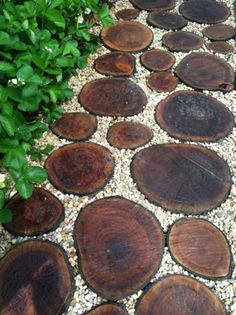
{"points": [[166, 20], [127, 14], [116, 64], [206, 71], [150, 5], [129, 135], [127, 36], [81, 168], [182, 41], [120, 246], [39, 214], [35, 279], [74, 126], [218, 32], [162, 81], [157, 60], [220, 47], [204, 11], [108, 309], [113, 97], [182, 178], [179, 295], [200, 247], [194, 116]]}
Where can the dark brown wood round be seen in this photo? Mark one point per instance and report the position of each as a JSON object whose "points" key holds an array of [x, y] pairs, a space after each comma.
{"points": [[220, 47], [120, 246], [162, 81], [182, 178], [82, 168], [150, 5], [182, 41], [157, 60], [219, 32], [166, 20], [108, 309], [127, 14]]}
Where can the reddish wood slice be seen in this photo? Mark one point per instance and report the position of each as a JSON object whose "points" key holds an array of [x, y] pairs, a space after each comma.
{"points": [[113, 97], [162, 81], [218, 32], [120, 246], [116, 64], [157, 60], [206, 71], [179, 295], [35, 279], [182, 178], [127, 36], [182, 41], [82, 168], [129, 135], [220, 47], [75, 126], [127, 14], [150, 5], [108, 309], [194, 116], [200, 247], [39, 214], [166, 20]]}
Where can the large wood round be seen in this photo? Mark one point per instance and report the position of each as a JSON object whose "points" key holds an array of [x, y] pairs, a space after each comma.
{"points": [[200, 247], [220, 47], [157, 60], [182, 41], [166, 20], [120, 245], [39, 214], [150, 5], [194, 116], [113, 97], [182, 178], [204, 11], [127, 14], [179, 295], [162, 81], [108, 309], [206, 71], [127, 36], [81, 168], [219, 32], [35, 279]]}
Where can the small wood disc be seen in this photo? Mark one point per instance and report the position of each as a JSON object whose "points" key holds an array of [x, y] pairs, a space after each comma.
{"points": [[35, 279], [220, 47], [116, 64], [194, 116], [206, 71], [150, 5], [129, 135], [204, 11], [218, 32], [81, 168], [120, 246], [39, 214], [127, 36], [127, 14], [166, 20], [75, 126], [157, 60], [113, 97], [200, 247], [162, 81], [182, 41], [179, 295], [108, 309], [182, 178]]}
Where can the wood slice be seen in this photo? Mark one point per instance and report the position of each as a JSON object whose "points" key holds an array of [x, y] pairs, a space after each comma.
{"points": [[116, 64], [220, 47], [182, 41], [74, 126], [127, 14], [206, 71], [129, 135], [162, 81], [39, 214], [120, 246], [35, 279], [166, 20], [204, 11], [127, 36], [179, 295], [200, 247], [81, 168], [182, 178], [150, 5], [113, 97], [194, 116], [157, 60], [218, 32], [108, 309]]}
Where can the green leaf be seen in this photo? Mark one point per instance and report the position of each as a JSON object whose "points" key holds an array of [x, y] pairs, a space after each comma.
{"points": [[4, 38], [7, 67], [55, 17], [15, 158], [7, 109], [28, 106], [2, 199], [36, 174], [29, 90], [5, 216], [8, 124], [24, 188], [39, 62], [25, 73]]}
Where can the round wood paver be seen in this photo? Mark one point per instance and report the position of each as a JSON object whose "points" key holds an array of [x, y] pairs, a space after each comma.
{"points": [[39, 214], [81, 168], [204, 11], [35, 279], [194, 116], [182, 41], [182, 178], [127, 36], [120, 245], [129, 135], [162, 81], [113, 97], [206, 71], [179, 295], [127, 14], [219, 32], [220, 47], [150, 5], [200, 247], [157, 60], [116, 64], [74, 126], [166, 20], [108, 309]]}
